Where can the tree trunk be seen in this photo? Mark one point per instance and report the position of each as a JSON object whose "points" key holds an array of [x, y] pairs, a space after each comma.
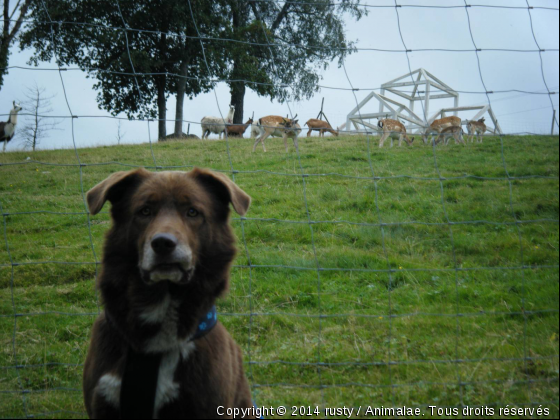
{"points": [[240, 17], [3, 60], [181, 87], [8, 36], [237, 90], [162, 110], [161, 83], [37, 103], [5, 42]]}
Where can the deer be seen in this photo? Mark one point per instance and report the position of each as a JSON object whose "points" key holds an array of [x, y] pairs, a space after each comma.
{"points": [[8, 128], [451, 131], [237, 130], [216, 125], [276, 126], [439, 125], [394, 129], [477, 128], [321, 126]]}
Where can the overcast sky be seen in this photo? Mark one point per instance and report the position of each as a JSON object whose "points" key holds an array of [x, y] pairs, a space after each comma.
{"points": [[421, 27]]}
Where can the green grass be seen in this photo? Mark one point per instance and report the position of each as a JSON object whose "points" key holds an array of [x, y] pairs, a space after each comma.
{"points": [[423, 354]]}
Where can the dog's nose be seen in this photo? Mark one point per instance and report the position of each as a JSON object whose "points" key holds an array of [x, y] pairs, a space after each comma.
{"points": [[164, 243]]}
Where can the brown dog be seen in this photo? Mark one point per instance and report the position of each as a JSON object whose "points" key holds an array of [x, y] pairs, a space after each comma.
{"points": [[166, 260]]}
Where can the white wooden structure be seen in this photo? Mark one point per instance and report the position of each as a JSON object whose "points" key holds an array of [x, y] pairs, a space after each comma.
{"points": [[425, 88]]}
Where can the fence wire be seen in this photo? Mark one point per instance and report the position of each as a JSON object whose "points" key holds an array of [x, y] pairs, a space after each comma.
{"points": [[317, 266]]}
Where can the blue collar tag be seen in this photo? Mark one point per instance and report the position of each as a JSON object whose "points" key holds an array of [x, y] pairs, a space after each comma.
{"points": [[206, 324]]}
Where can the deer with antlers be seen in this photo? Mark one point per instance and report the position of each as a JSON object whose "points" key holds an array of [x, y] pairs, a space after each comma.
{"points": [[277, 126]]}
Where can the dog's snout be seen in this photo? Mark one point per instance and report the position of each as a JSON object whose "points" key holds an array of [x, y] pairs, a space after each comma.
{"points": [[164, 243]]}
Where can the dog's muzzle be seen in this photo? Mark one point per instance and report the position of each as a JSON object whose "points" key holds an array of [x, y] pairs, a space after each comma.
{"points": [[166, 259]]}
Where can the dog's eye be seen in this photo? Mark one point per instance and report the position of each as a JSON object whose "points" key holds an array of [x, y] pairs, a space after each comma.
{"points": [[192, 212], [146, 211]]}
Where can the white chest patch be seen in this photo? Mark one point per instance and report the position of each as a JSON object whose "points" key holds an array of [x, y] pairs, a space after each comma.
{"points": [[109, 386], [167, 389], [164, 314], [166, 339]]}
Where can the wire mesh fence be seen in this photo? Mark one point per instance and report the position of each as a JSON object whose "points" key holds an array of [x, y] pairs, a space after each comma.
{"points": [[364, 278]]}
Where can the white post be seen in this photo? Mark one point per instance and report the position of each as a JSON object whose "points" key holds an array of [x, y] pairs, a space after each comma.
{"points": [[456, 113], [427, 101], [495, 121]]}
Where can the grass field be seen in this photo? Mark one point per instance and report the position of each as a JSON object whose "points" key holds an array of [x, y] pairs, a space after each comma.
{"points": [[406, 309]]}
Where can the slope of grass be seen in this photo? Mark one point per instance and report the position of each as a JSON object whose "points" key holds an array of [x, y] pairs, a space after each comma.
{"points": [[438, 279]]}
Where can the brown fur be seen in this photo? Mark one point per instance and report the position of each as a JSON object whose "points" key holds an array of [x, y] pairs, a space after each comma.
{"points": [[438, 126], [394, 129], [212, 375], [477, 128], [276, 126], [238, 130], [321, 126], [448, 132]]}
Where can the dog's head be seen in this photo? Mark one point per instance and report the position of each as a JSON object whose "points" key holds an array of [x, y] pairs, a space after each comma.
{"points": [[171, 224]]}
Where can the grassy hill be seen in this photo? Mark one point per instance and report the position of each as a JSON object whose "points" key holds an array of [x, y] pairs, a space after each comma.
{"points": [[425, 278]]}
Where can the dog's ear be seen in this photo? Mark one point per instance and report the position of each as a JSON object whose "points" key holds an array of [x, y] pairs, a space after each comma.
{"points": [[224, 187], [113, 188]]}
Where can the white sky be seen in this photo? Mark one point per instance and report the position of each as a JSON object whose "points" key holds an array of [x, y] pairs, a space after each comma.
{"points": [[421, 27]]}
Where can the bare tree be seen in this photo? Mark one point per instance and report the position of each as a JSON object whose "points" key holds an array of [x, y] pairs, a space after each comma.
{"points": [[120, 134], [37, 123], [12, 18]]}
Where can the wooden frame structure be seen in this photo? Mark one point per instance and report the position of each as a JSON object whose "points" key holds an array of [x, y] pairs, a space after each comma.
{"points": [[425, 88]]}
